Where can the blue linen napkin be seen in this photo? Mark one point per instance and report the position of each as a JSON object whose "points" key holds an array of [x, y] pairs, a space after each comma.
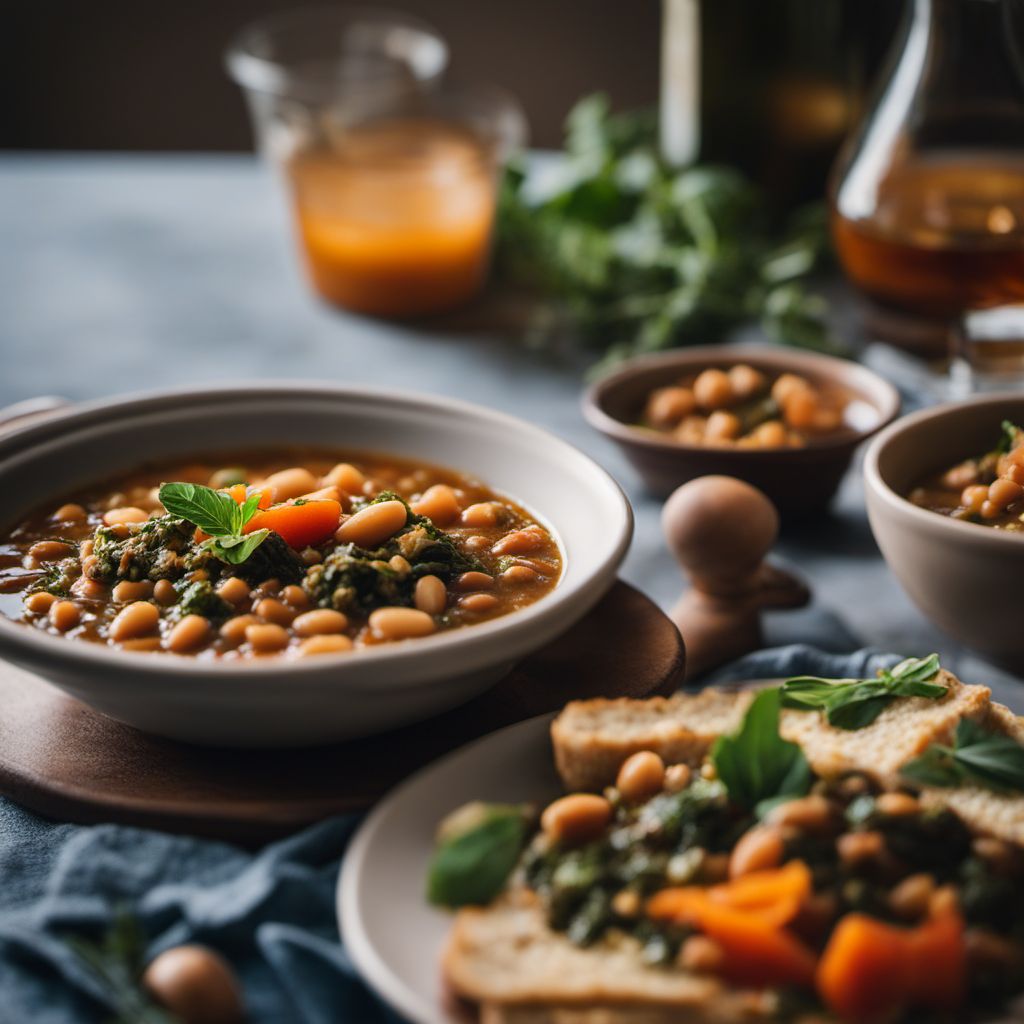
{"points": [[271, 913]]}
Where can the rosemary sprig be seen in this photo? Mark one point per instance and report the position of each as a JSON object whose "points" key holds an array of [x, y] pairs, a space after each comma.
{"points": [[116, 962]]}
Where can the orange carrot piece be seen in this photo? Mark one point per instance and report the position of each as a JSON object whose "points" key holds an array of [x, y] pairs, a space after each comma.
{"points": [[860, 974], [758, 951], [686, 904], [773, 896], [240, 492], [775, 915], [871, 969], [675, 904], [789, 885], [299, 524]]}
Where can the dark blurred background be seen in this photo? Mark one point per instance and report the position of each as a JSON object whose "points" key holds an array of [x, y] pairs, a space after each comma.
{"points": [[131, 75]]}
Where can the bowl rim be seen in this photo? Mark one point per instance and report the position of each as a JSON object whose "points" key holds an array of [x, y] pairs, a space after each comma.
{"points": [[900, 505], [888, 407], [44, 646]]}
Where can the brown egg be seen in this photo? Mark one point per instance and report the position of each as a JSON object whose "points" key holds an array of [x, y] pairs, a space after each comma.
{"points": [[195, 984]]}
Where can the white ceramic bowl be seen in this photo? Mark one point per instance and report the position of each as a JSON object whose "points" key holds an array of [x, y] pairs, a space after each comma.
{"points": [[284, 702], [963, 576]]}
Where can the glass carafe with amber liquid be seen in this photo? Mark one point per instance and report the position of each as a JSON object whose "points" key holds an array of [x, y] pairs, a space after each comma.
{"points": [[928, 196]]}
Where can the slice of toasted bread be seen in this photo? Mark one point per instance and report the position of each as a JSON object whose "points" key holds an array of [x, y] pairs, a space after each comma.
{"points": [[1002, 719], [996, 814], [508, 960], [592, 738]]}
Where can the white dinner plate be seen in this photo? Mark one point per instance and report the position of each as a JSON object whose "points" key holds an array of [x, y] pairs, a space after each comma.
{"points": [[392, 934]]}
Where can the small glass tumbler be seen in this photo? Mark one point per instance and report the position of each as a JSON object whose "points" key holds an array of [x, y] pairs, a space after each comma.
{"points": [[392, 179], [988, 351]]}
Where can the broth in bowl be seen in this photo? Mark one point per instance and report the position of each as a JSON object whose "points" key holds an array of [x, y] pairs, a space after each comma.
{"points": [[746, 407], [294, 552], [987, 489]]}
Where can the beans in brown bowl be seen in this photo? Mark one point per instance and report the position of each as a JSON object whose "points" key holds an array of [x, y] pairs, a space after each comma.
{"points": [[294, 552], [987, 489], [742, 406]]}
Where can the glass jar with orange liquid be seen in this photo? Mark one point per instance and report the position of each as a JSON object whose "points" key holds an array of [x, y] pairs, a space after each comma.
{"points": [[928, 198], [392, 179]]}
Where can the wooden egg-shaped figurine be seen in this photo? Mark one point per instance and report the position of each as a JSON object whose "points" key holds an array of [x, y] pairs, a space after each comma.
{"points": [[721, 530]]}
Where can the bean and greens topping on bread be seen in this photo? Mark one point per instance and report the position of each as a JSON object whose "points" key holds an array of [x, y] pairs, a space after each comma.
{"points": [[751, 847]]}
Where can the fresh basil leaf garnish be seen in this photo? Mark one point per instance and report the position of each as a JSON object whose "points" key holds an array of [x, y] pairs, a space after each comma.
{"points": [[977, 756], [471, 866], [856, 703], [236, 550], [755, 763], [937, 766], [915, 670], [214, 512], [248, 509], [857, 712], [217, 514]]}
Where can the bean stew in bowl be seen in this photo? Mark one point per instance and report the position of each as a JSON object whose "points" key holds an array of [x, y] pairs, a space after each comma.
{"points": [[943, 488], [299, 553], [282, 565], [786, 421], [987, 489], [744, 407]]}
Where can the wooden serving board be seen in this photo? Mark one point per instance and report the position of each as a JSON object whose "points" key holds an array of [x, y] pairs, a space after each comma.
{"points": [[68, 762]]}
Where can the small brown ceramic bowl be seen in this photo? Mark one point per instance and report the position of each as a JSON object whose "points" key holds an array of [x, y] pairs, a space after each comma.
{"points": [[965, 577], [798, 480]]}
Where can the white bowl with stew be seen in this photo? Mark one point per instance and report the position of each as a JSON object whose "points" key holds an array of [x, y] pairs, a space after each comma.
{"points": [[964, 576], [279, 701]]}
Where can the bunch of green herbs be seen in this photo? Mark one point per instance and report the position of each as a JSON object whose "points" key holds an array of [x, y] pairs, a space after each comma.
{"points": [[635, 256]]}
